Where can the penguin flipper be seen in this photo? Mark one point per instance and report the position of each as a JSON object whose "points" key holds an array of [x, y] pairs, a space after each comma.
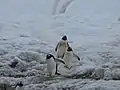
{"points": [[59, 60], [76, 56], [56, 47]]}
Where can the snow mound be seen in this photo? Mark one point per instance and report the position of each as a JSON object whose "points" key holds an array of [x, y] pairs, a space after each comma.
{"points": [[6, 71], [5, 85], [29, 56], [103, 85]]}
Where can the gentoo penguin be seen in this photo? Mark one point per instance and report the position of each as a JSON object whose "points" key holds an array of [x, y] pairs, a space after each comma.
{"points": [[51, 63], [68, 57], [61, 47], [19, 86]]}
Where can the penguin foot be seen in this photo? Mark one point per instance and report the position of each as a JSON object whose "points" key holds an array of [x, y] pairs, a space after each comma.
{"points": [[57, 73]]}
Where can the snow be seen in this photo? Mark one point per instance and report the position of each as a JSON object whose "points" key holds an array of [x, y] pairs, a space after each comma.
{"points": [[28, 31]]}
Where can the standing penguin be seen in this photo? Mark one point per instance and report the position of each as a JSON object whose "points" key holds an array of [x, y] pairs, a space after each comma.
{"points": [[51, 63], [68, 57], [60, 49], [19, 86]]}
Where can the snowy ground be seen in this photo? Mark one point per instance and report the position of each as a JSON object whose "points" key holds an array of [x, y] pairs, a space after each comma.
{"points": [[28, 31]]}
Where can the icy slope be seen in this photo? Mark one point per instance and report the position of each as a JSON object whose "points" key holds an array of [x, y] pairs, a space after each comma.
{"points": [[28, 31]]}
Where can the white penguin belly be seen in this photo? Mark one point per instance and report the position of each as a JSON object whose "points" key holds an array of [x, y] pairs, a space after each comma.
{"points": [[61, 52], [50, 65], [68, 58]]}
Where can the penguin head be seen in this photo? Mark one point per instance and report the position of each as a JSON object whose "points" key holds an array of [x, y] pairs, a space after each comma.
{"points": [[49, 56], [69, 49], [64, 37], [19, 84]]}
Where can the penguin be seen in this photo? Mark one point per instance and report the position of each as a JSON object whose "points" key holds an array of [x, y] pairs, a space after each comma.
{"points": [[60, 49], [68, 57], [51, 63], [19, 86]]}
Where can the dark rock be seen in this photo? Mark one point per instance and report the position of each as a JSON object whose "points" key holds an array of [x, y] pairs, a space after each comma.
{"points": [[13, 64]]}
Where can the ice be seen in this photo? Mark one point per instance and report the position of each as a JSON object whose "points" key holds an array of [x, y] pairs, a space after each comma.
{"points": [[30, 29]]}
